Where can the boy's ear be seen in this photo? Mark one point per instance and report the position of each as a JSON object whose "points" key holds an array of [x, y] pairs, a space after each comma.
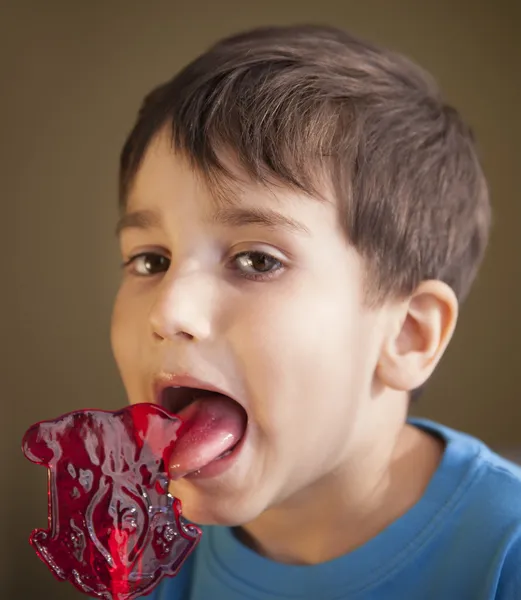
{"points": [[419, 333]]}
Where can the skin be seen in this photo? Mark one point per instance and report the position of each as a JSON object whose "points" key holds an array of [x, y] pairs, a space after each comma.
{"points": [[323, 377]]}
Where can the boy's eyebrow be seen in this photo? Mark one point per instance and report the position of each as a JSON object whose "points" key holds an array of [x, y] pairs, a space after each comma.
{"points": [[139, 219], [233, 216], [237, 216]]}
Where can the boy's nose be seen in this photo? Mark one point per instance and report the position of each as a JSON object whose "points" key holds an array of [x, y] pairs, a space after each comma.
{"points": [[183, 307]]}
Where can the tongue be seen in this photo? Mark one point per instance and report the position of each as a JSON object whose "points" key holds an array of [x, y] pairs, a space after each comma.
{"points": [[211, 426]]}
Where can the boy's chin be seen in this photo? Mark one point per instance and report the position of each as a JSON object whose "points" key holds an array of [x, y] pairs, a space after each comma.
{"points": [[225, 511]]}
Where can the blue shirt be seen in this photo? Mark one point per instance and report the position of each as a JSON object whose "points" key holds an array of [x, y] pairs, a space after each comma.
{"points": [[461, 541]]}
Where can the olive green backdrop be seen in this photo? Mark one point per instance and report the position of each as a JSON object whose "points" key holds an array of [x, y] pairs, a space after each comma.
{"points": [[72, 76]]}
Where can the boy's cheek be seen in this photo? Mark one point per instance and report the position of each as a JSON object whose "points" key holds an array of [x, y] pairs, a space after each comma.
{"points": [[129, 317], [125, 343], [117, 334]]}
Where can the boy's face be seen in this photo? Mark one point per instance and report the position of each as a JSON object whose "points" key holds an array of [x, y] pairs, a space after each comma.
{"points": [[285, 332]]}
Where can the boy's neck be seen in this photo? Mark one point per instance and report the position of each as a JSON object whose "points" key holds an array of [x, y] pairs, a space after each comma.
{"points": [[347, 509]]}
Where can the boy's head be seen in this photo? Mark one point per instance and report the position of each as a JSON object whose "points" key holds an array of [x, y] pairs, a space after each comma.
{"points": [[301, 214]]}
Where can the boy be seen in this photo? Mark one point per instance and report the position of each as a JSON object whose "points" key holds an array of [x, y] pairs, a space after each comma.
{"points": [[301, 217]]}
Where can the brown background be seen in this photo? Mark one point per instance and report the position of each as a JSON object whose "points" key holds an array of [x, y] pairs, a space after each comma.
{"points": [[72, 76]]}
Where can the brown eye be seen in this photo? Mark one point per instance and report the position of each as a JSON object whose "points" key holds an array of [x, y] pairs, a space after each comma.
{"points": [[149, 263], [256, 263]]}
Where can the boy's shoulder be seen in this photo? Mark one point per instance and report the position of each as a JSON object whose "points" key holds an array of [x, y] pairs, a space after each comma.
{"points": [[486, 514], [479, 524], [488, 478], [485, 486]]}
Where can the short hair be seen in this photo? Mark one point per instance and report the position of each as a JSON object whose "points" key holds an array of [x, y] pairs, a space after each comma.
{"points": [[311, 106]]}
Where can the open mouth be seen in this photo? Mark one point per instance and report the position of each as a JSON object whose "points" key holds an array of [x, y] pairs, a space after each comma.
{"points": [[214, 423], [175, 399]]}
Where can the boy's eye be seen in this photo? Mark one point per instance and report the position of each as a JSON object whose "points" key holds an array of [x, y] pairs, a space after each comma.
{"points": [[148, 263], [256, 265], [253, 265]]}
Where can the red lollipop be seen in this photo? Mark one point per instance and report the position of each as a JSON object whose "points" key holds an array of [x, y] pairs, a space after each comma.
{"points": [[114, 530]]}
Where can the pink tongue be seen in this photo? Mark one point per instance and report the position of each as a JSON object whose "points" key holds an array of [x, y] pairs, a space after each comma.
{"points": [[210, 427]]}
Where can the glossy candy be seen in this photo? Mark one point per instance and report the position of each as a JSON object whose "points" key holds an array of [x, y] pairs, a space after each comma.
{"points": [[114, 531]]}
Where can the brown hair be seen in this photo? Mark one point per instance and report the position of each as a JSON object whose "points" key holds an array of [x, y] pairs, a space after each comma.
{"points": [[312, 105]]}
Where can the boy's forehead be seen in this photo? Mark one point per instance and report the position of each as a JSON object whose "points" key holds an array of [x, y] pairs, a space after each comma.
{"points": [[235, 179], [165, 174], [165, 168]]}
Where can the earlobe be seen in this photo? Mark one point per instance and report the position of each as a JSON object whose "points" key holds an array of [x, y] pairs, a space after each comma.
{"points": [[419, 332]]}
